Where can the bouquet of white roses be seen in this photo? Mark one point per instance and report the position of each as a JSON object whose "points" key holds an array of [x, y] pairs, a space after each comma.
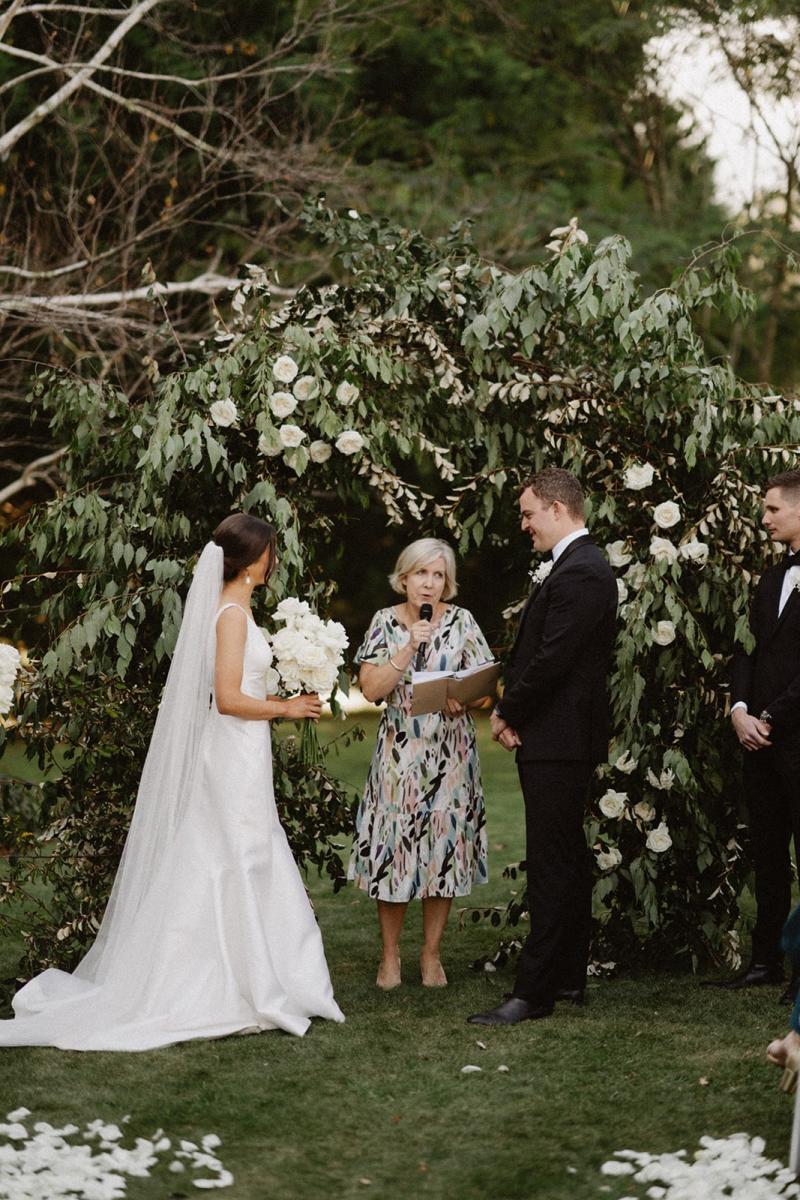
{"points": [[308, 654], [9, 666]]}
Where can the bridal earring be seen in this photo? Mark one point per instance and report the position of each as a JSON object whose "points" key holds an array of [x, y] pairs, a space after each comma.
{"points": [[247, 578]]}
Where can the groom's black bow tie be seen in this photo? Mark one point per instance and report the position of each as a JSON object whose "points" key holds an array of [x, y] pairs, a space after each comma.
{"points": [[791, 560]]}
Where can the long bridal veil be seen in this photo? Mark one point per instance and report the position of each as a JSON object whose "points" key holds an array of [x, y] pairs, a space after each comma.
{"points": [[169, 768]]}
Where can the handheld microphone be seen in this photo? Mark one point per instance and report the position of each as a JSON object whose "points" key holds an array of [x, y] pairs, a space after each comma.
{"points": [[425, 614]]}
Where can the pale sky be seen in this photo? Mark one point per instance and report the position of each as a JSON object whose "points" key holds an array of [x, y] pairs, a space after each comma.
{"points": [[693, 71]]}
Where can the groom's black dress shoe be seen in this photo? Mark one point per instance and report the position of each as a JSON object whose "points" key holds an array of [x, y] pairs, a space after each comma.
{"points": [[571, 995], [511, 1012], [756, 975], [789, 993]]}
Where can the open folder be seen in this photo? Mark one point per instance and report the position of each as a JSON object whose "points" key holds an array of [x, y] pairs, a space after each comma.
{"points": [[432, 689]]}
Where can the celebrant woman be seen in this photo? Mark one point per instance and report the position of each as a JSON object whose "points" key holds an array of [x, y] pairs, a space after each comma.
{"points": [[421, 826], [208, 930]]}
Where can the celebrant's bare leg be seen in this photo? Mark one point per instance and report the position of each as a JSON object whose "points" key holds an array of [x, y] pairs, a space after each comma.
{"points": [[435, 911], [390, 917]]}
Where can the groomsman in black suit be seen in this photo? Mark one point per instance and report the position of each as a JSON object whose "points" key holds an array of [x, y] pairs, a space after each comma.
{"points": [[765, 711], [555, 713]]}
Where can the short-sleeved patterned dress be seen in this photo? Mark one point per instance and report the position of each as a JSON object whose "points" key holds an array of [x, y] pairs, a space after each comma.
{"points": [[421, 824]]}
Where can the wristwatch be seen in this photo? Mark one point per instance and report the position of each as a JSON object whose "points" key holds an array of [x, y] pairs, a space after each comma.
{"points": [[765, 716]]}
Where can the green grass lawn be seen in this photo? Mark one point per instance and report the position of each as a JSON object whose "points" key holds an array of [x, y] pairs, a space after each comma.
{"points": [[379, 1106]]}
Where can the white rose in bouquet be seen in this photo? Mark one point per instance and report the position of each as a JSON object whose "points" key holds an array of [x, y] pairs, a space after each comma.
{"points": [[618, 556], [9, 666], [694, 551], [223, 413], [663, 550], [320, 452], [305, 388], [664, 633], [349, 442], [291, 436], [282, 404], [292, 611], [612, 804], [658, 839], [667, 514], [284, 369], [638, 476], [644, 811], [608, 859], [347, 393]]}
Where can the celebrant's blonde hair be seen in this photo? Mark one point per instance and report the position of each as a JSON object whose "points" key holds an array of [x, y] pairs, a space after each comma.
{"points": [[419, 554]]}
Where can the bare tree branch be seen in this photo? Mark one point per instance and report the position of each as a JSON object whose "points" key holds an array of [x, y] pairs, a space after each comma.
{"points": [[35, 472]]}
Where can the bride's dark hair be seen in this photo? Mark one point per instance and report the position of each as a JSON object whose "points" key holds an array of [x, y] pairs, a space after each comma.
{"points": [[243, 539]]}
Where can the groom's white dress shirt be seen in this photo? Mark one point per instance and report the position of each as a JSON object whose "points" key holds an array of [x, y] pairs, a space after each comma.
{"points": [[561, 546]]}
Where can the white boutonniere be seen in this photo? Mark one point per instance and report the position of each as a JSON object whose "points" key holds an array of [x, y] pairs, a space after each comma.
{"points": [[794, 577], [544, 568]]}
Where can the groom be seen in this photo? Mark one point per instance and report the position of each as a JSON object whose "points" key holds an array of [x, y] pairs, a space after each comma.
{"points": [[555, 713]]}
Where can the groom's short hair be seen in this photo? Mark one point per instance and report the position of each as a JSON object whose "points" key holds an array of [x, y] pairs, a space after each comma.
{"points": [[787, 481], [554, 483]]}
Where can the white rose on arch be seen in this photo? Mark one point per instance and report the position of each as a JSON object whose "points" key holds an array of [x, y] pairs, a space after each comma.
{"points": [[612, 804], [284, 369], [282, 404], [291, 436], [305, 388], [666, 514], [625, 763], [694, 551], [644, 811], [223, 413], [635, 575], [608, 859], [618, 556], [658, 839], [268, 448], [664, 633], [347, 393], [663, 550], [622, 591], [320, 452], [349, 442], [638, 476]]}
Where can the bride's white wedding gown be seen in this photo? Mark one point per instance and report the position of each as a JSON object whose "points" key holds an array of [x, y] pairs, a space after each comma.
{"points": [[224, 940]]}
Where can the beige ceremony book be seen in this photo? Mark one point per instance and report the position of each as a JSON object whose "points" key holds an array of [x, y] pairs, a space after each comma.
{"points": [[432, 689]]}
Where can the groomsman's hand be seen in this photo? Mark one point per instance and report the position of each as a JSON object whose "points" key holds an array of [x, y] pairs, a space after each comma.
{"points": [[752, 733], [509, 739]]}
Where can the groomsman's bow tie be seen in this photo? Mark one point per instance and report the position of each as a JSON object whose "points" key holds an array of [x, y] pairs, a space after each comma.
{"points": [[791, 560]]}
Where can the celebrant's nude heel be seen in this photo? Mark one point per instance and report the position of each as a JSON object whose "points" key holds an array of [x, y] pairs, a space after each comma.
{"points": [[388, 975], [790, 1063]]}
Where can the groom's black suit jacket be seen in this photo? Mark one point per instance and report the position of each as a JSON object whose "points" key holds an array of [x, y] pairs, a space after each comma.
{"points": [[556, 694], [769, 676]]}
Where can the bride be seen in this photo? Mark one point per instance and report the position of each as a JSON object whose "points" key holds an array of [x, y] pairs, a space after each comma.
{"points": [[208, 930]]}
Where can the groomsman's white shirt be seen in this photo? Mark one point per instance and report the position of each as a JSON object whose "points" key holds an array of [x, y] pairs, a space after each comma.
{"points": [[561, 546], [786, 591]]}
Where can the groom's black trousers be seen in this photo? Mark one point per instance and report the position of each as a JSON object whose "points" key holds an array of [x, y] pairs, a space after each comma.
{"points": [[772, 788], [560, 870]]}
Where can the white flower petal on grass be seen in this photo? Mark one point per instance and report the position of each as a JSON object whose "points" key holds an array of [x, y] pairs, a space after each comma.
{"points": [[481, 1045], [612, 1167], [503, 1068], [666, 514], [319, 451], [353, 214], [284, 369], [291, 436], [349, 442], [347, 393], [282, 404], [638, 476], [223, 413], [176, 1167], [470, 1069], [19, 1114]]}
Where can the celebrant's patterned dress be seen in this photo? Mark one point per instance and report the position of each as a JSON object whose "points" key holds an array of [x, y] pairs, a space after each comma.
{"points": [[421, 824]]}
